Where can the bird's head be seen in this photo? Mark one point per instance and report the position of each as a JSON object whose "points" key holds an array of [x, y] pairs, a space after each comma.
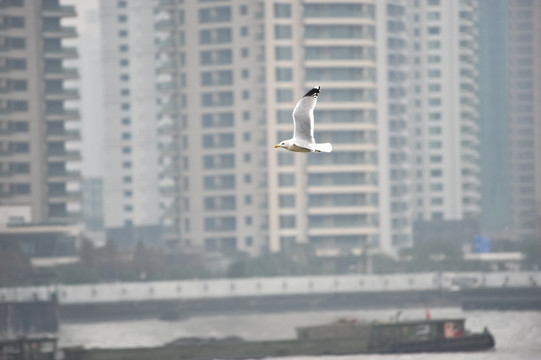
{"points": [[286, 144]]}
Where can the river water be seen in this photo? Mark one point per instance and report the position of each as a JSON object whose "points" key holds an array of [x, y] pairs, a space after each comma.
{"points": [[517, 334]]}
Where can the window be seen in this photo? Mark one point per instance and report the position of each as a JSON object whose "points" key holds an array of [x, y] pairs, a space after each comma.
{"points": [[433, 2], [286, 180], [126, 121], [244, 31], [433, 30], [17, 64], [121, 4], [19, 105], [127, 179], [284, 95], [434, 87], [244, 10], [288, 221], [284, 74], [124, 77], [285, 159], [245, 73], [434, 102], [122, 18], [124, 62], [282, 10], [19, 85], [123, 48], [434, 116], [433, 45], [123, 33], [433, 15], [126, 136], [125, 92], [286, 201], [126, 150], [16, 22], [244, 52], [434, 73], [282, 31], [283, 53], [17, 43]]}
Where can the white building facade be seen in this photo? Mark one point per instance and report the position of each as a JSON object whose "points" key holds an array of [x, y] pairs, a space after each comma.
{"points": [[131, 188], [444, 113]]}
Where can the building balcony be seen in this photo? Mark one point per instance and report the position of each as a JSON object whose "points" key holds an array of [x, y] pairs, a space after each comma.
{"points": [[169, 171], [169, 191], [60, 52], [63, 155], [164, 25], [167, 46], [64, 196], [169, 108], [165, 4], [169, 150], [166, 87], [58, 11], [62, 134], [59, 32], [64, 176], [169, 129], [65, 217], [62, 115], [166, 68], [63, 73], [61, 94]]}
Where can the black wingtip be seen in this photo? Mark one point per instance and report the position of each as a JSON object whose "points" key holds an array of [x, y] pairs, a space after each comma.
{"points": [[313, 91]]}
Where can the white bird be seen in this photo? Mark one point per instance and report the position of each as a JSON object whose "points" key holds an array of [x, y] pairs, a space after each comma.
{"points": [[303, 121]]}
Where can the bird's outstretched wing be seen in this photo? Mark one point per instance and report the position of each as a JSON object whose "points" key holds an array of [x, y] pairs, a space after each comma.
{"points": [[303, 119]]}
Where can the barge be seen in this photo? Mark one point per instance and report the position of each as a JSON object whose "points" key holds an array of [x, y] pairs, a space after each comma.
{"points": [[344, 337]]}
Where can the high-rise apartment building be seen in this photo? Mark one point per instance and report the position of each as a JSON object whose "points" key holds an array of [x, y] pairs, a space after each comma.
{"points": [[36, 124], [230, 75], [355, 51], [494, 115], [131, 187], [525, 116], [444, 111]]}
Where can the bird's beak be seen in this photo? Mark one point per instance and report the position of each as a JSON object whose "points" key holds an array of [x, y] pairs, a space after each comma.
{"points": [[276, 146]]}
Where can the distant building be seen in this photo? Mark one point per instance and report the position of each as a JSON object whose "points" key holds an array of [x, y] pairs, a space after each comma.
{"points": [[36, 125], [444, 112], [131, 188], [525, 110], [230, 74], [494, 115]]}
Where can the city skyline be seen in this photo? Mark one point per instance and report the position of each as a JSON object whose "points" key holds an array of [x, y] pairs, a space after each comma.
{"points": [[183, 102]]}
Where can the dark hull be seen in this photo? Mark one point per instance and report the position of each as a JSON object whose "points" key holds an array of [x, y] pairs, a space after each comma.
{"points": [[254, 350], [476, 342]]}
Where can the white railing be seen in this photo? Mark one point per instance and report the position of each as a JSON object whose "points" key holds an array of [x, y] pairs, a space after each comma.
{"points": [[224, 288]]}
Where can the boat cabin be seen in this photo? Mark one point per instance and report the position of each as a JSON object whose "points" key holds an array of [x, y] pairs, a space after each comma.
{"points": [[384, 334]]}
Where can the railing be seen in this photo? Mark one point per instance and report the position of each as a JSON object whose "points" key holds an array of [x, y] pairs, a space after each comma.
{"points": [[278, 286]]}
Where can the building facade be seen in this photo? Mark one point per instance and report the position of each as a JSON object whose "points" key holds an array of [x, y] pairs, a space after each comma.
{"points": [[444, 103], [131, 187], [494, 98], [525, 116], [229, 99], [37, 127]]}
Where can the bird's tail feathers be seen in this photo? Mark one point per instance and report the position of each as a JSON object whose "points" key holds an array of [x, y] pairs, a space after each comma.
{"points": [[326, 147]]}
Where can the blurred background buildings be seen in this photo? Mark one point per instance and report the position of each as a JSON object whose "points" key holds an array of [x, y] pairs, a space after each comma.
{"points": [[432, 106]]}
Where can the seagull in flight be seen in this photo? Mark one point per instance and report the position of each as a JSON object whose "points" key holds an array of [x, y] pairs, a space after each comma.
{"points": [[303, 121]]}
